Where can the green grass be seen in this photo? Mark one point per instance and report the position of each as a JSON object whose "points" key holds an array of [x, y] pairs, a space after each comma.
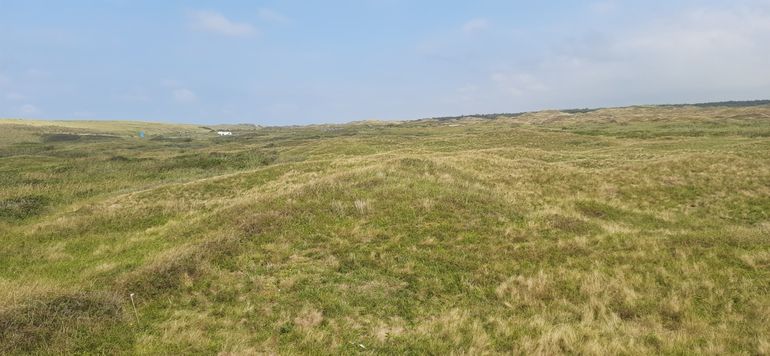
{"points": [[639, 230]]}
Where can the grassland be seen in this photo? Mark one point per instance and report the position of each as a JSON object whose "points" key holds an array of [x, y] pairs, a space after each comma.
{"points": [[633, 230]]}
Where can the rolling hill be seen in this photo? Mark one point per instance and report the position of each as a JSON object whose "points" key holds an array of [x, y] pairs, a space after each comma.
{"points": [[631, 230]]}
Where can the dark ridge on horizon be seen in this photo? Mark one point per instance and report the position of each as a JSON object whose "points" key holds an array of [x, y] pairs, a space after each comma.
{"points": [[729, 103]]}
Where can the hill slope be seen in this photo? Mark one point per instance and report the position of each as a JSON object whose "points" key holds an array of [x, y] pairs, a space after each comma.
{"points": [[632, 230]]}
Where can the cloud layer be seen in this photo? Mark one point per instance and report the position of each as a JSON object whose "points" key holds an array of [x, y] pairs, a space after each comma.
{"points": [[697, 54], [339, 61], [215, 22]]}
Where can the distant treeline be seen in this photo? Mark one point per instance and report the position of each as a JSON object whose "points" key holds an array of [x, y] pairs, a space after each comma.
{"points": [[494, 116], [732, 104], [481, 116]]}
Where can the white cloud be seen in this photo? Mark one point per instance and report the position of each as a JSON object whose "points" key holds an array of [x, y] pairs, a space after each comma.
{"points": [[179, 92], [270, 15], [183, 95], [215, 22], [712, 50], [29, 109], [475, 25], [697, 54]]}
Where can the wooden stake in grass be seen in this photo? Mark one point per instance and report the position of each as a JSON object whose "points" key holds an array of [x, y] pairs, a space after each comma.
{"points": [[134, 305]]}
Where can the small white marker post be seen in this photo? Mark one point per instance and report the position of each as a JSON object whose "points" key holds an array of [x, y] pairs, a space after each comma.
{"points": [[134, 305]]}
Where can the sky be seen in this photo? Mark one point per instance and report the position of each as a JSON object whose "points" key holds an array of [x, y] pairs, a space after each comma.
{"points": [[286, 62]]}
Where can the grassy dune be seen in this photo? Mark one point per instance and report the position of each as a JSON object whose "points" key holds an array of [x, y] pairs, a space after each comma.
{"points": [[635, 230]]}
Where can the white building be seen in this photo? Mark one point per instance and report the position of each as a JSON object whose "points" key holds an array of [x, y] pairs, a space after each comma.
{"points": [[224, 133]]}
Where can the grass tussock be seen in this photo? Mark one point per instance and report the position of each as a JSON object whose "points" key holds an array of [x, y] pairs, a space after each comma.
{"points": [[76, 322], [22, 207]]}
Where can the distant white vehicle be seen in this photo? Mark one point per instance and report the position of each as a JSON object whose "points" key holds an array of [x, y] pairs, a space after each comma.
{"points": [[224, 133]]}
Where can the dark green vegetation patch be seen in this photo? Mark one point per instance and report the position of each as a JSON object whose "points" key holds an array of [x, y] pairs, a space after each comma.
{"points": [[22, 207]]}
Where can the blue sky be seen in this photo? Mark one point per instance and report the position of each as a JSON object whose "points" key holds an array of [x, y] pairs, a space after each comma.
{"points": [[297, 62]]}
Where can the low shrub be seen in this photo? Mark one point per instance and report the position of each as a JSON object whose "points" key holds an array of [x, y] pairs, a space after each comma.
{"points": [[22, 207]]}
